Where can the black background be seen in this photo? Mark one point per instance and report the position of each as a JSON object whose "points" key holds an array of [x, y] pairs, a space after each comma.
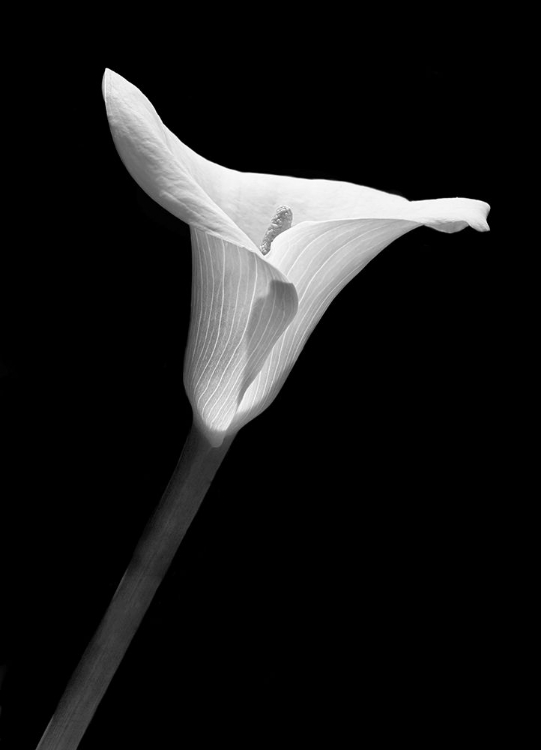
{"points": [[344, 575]]}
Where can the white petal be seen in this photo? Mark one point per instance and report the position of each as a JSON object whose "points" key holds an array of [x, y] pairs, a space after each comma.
{"points": [[339, 228], [167, 170], [320, 258], [235, 205], [241, 305]]}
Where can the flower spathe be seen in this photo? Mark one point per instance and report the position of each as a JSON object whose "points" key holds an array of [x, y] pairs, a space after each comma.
{"points": [[252, 314]]}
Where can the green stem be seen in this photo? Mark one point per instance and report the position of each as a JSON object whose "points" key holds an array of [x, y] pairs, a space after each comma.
{"points": [[154, 553]]}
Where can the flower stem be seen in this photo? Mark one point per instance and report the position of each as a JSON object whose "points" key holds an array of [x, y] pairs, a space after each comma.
{"points": [[154, 553]]}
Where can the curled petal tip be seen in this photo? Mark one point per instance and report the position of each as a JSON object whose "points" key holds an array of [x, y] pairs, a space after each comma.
{"points": [[107, 79], [104, 83], [451, 214], [478, 217], [484, 223]]}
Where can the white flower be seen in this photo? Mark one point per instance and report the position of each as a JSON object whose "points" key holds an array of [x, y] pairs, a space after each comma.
{"points": [[252, 312]]}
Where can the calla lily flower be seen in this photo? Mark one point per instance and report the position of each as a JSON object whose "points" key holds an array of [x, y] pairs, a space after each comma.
{"points": [[259, 285]]}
